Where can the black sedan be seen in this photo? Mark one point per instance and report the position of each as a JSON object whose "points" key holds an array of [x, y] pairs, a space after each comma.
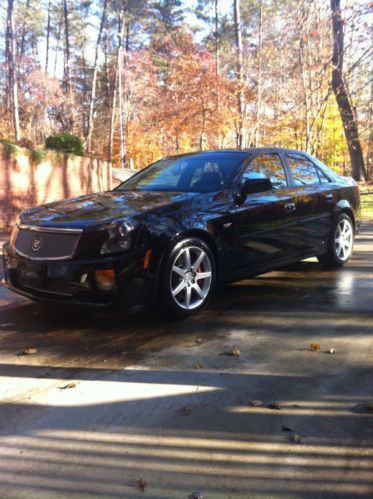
{"points": [[177, 228]]}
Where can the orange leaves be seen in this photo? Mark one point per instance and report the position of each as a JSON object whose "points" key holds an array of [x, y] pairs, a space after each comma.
{"points": [[315, 347]]}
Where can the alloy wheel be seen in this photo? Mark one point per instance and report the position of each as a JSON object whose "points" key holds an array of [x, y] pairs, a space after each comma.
{"points": [[191, 277], [344, 240]]}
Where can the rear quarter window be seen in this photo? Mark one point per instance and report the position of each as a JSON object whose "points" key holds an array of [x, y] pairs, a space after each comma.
{"points": [[303, 171]]}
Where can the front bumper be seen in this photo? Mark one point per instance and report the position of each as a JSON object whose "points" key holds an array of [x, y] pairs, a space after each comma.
{"points": [[72, 282]]}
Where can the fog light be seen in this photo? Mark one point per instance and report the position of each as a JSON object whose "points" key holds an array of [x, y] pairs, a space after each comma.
{"points": [[105, 279]]}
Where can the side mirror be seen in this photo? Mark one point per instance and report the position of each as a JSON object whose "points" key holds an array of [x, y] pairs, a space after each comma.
{"points": [[251, 186]]}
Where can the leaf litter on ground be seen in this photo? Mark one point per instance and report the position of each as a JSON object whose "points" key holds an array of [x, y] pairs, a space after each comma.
{"points": [[28, 351], [141, 485], [256, 403], [68, 386], [274, 405], [315, 347]]}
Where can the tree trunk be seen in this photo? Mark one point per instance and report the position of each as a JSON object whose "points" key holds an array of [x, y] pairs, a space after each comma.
{"points": [[217, 66], [120, 91], [57, 47], [94, 79], [339, 88], [112, 115], [67, 58], [48, 36], [23, 36], [259, 86], [8, 90], [13, 72], [369, 160], [239, 74]]}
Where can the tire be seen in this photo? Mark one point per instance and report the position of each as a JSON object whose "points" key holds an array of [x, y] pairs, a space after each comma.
{"points": [[340, 244], [188, 278]]}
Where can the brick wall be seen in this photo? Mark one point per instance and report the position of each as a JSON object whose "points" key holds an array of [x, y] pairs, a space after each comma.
{"points": [[24, 184]]}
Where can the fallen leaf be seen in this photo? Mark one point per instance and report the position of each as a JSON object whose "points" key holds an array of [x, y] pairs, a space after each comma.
{"points": [[233, 352], [197, 495], [256, 403], [199, 341], [368, 406], [315, 347], [275, 405], [285, 428], [187, 410], [297, 439], [28, 351], [198, 365], [69, 385], [295, 405], [141, 484]]}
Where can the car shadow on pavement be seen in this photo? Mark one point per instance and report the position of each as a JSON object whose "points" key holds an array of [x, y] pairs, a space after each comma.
{"points": [[180, 430]]}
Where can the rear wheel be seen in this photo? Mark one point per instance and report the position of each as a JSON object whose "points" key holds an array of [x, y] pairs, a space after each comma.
{"points": [[188, 278], [340, 244]]}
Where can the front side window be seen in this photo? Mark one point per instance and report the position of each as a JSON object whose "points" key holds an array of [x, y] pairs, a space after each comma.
{"points": [[205, 172], [266, 166], [303, 170]]}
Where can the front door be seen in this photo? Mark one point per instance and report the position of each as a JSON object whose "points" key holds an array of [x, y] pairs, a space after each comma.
{"points": [[263, 227]]}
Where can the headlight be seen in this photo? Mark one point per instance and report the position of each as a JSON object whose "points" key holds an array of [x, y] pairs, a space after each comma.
{"points": [[119, 237]]}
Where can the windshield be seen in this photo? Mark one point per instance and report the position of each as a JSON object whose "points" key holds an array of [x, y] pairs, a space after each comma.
{"points": [[205, 172]]}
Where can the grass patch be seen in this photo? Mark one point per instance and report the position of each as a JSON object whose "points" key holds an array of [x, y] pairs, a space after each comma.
{"points": [[38, 155], [366, 196], [9, 148]]}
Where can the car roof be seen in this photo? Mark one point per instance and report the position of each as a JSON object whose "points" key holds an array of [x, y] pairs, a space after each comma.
{"points": [[250, 150]]}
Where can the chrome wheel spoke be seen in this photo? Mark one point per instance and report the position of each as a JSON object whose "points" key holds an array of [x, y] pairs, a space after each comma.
{"points": [[202, 275], [198, 262], [187, 259], [178, 270], [179, 288], [199, 291], [188, 296]]}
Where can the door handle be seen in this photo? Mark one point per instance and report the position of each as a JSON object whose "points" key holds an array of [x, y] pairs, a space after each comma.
{"points": [[329, 197], [290, 207]]}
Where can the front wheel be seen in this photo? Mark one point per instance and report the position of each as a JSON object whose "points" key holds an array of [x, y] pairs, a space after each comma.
{"points": [[188, 278], [340, 244]]}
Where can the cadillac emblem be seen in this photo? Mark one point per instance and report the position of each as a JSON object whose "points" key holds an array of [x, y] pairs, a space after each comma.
{"points": [[36, 243]]}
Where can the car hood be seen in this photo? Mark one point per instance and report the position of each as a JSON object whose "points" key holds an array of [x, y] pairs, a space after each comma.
{"points": [[93, 210]]}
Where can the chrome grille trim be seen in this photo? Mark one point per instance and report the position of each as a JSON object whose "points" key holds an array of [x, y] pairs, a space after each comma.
{"points": [[49, 229], [41, 230]]}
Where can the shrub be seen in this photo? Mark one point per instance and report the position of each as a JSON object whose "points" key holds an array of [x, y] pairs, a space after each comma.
{"points": [[65, 142], [37, 155], [9, 148]]}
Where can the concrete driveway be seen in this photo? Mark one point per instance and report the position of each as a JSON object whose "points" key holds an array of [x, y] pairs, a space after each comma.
{"points": [[129, 405]]}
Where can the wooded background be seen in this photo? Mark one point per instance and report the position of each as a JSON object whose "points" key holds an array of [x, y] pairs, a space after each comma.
{"points": [[141, 79]]}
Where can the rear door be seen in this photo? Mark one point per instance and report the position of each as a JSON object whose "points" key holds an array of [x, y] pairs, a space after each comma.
{"points": [[313, 198], [263, 227]]}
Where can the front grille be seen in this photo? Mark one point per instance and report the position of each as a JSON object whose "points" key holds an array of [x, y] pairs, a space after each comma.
{"points": [[44, 245]]}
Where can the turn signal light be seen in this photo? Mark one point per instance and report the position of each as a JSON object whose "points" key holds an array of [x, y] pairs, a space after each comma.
{"points": [[148, 255], [105, 279]]}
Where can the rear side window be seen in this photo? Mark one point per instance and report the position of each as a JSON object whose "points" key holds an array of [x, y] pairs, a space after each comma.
{"points": [[323, 178], [266, 166], [303, 170]]}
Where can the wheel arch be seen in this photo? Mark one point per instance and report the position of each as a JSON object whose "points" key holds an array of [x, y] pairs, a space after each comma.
{"points": [[344, 207]]}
